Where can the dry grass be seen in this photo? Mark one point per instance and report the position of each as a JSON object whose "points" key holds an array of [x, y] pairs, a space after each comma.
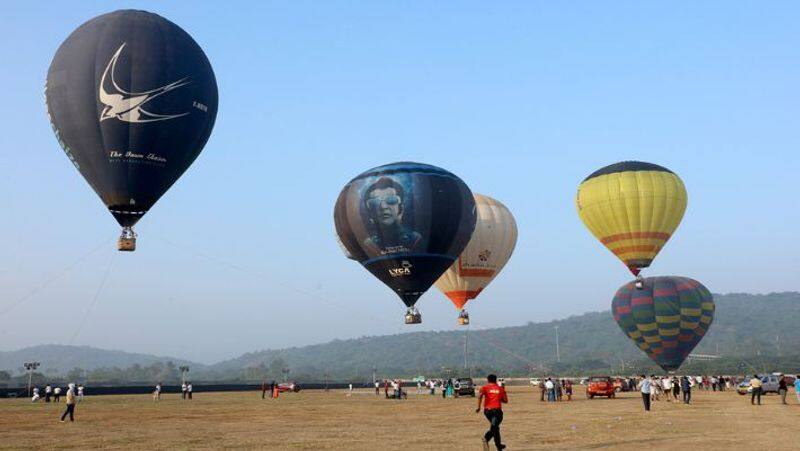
{"points": [[319, 420]]}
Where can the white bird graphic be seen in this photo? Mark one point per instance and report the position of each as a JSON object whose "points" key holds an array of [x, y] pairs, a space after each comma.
{"points": [[128, 106]]}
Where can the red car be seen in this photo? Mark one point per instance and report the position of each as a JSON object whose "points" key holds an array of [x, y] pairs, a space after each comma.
{"points": [[288, 387], [600, 386]]}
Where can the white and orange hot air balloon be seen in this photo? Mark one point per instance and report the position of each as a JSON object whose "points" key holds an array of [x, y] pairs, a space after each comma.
{"points": [[488, 251]]}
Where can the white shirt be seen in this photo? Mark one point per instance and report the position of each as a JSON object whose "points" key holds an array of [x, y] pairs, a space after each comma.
{"points": [[644, 386], [57, 390], [549, 385], [667, 384], [47, 389], [183, 387], [351, 387], [189, 387]]}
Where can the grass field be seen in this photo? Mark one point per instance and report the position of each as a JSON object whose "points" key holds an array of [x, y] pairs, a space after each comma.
{"points": [[333, 420]]}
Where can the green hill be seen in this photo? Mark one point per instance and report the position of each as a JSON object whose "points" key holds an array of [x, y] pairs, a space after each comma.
{"points": [[750, 332], [747, 329]]}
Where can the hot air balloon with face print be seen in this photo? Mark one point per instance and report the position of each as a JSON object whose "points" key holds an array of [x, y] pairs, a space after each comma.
{"points": [[486, 254], [406, 223], [132, 99], [666, 317], [633, 208]]}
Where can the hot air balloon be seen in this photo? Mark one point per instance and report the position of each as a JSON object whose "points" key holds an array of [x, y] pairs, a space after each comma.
{"points": [[486, 253], [633, 208], [666, 318], [132, 99], [406, 223]]}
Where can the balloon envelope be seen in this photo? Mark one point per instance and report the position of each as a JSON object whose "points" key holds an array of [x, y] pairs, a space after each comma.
{"points": [[666, 318], [633, 208], [406, 223], [487, 252], [132, 99]]}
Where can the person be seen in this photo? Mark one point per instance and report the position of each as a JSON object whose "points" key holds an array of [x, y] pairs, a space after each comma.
{"points": [[385, 201], [559, 390], [48, 390], [57, 394], [35, 396], [70, 404], [80, 392], [449, 388], [783, 389], [189, 390], [645, 387], [493, 397], [183, 390], [432, 386], [667, 384], [419, 387], [549, 386], [676, 388], [157, 392], [274, 389], [386, 388], [377, 388], [686, 388], [797, 387], [399, 389], [568, 389], [755, 387], [350, 387]]}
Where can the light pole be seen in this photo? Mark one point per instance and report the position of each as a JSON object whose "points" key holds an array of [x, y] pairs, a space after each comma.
{"points": [[184, 369], [30, 367], [558, 356], [326, 381], [374, 374]]}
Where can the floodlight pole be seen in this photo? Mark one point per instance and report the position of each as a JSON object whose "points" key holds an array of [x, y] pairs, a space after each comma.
{"points": [[374, 374], [30, 367], [184, 369], [558, 356]]}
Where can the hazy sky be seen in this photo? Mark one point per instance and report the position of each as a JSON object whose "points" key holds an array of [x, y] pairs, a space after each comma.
{"points": [[520, 99]]}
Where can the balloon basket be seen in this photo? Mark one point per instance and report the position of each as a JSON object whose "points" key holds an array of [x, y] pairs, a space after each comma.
{"points": [[463, 320], [413, 317], [127, 241]]}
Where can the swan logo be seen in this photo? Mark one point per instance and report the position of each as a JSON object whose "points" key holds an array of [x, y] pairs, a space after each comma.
{"points": [[130, 106]]}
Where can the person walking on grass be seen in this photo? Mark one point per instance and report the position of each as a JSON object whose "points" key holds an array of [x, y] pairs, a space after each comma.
{"points": [[157, 392], [676, 388], [755, 389], [666, 384], [189, 390], [48, 390], [493, 397], [57, 394], [70, 404], [183, 390], [783, 389], [797, 387], [686, 388], [645, 387]]}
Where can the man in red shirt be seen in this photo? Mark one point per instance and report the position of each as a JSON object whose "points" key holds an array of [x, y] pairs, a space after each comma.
{"points": [[495, 397]]}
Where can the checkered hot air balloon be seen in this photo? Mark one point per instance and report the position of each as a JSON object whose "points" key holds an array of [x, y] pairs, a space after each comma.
{"points": [[666, 318]]}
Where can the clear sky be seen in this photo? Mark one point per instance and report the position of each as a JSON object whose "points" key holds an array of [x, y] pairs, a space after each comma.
{"points": [[522, 100]]}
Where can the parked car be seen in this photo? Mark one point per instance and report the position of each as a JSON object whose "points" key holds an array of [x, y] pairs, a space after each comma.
{"points": [[288, 387], [463, 386], [535, 382], [769, 384], [600, 386]]}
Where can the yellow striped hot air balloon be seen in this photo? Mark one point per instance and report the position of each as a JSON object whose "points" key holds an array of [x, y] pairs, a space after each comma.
{"points": [[633, 208], [488, 250]]}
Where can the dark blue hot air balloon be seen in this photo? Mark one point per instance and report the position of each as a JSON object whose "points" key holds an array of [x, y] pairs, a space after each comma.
{"points": [[132, 99], [406, 223]]}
